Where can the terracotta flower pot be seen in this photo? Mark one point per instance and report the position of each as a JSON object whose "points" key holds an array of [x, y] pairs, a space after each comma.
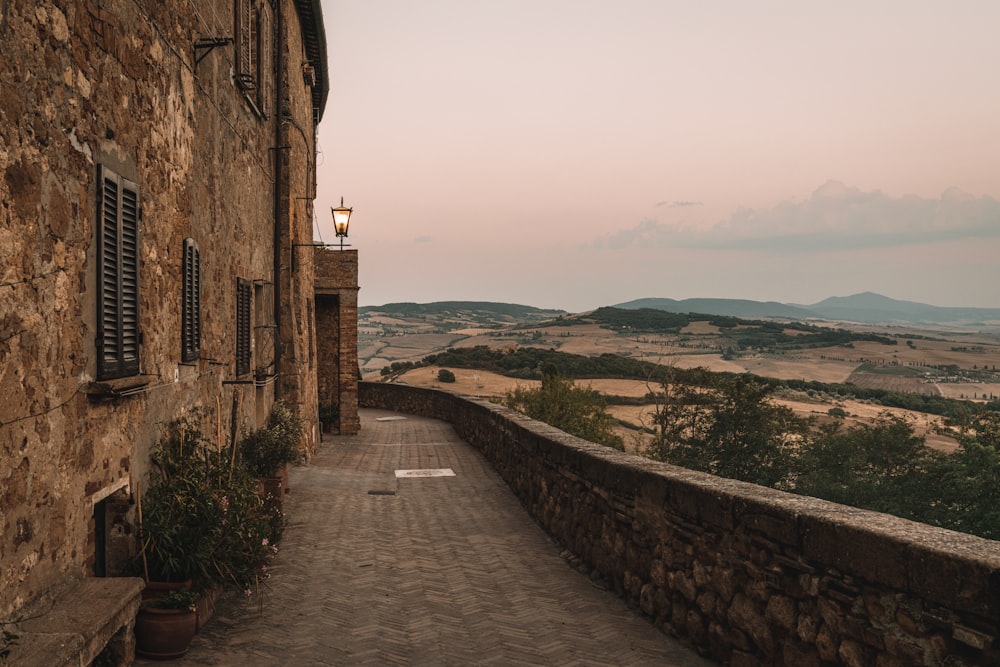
{"points": [[162, 634]]}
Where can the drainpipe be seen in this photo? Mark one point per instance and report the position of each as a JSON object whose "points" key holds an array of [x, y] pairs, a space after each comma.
{"points": [[278, 112]]}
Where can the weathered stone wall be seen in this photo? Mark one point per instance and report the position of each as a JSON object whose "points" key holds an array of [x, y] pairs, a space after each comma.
{"points": [[749, 575], [114, 82], [297, 153]]}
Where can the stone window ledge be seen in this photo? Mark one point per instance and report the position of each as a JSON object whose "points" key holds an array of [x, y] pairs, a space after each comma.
{"points": [[104, 390]]}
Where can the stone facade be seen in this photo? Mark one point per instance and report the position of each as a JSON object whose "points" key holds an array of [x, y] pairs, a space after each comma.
{"points": [[749, 575], [157, 170]]}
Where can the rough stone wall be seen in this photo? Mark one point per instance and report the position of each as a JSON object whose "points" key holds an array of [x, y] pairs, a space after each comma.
{"points": [[113, 82], [749, 575], [297, 339], [337, 333]]}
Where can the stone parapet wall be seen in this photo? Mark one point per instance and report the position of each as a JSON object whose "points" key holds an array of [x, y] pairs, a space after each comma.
{"points": [[749, 575]]}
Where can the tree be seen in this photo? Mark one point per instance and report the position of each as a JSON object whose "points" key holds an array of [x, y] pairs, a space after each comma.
{"points": [[733, 430], [882, 466], [444, 375], [560, 403], [971, 480]]}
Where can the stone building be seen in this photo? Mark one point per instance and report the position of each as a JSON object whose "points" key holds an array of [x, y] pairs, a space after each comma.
{"points": [[157, 177]]}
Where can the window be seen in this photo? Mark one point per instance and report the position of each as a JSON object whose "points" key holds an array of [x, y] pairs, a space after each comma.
{"points": [[253, 53], [243, 300], [263, 329], [118, 335], [191, 303]]}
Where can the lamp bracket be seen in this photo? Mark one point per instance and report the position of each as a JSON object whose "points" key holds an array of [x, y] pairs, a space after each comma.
{"points": [[205, 46]]}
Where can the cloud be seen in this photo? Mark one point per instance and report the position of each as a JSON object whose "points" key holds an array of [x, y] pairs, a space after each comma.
{"points": [[677, 204], [834, 217], [649, 232]]}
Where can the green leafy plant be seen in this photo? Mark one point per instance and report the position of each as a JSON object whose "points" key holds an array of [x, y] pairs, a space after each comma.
{"points": [[560, 403], [202, 517], [329, 414], [265, 450], [444, 375], [735, 430]]}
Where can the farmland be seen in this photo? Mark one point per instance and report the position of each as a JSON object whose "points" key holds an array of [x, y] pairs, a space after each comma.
{"points": [[946, 363]]}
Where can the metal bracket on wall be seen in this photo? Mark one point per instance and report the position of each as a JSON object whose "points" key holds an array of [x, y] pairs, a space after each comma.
{"points": [[206, 44]]}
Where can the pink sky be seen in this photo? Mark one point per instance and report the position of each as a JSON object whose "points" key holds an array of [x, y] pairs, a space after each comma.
{"points": [[578, 153]]}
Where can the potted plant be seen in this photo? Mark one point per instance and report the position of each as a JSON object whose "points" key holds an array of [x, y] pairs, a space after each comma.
{"points": [[164, 627], [202, 518], [266, 452], [174, 511]]}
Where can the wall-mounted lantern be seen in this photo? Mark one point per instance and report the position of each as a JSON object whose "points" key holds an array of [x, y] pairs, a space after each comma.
{"points": [[341, 219]]}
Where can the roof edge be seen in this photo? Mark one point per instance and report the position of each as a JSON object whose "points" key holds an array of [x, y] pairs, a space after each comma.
{"points": [[314, 38]]}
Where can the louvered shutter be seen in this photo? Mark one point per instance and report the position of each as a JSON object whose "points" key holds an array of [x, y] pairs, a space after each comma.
{"points": [[118, 271], [243, 300], [265, 76], [191, 305], [130, 279], [245, 68]]}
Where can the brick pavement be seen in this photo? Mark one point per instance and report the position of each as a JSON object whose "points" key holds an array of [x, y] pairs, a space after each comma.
{"points": [[447, 571]]}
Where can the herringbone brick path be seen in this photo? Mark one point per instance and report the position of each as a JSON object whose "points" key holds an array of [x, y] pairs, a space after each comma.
{"points": [[448, 571]]}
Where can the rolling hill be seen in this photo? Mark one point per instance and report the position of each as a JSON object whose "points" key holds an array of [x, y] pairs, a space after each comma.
{"points": [[867, 308]]}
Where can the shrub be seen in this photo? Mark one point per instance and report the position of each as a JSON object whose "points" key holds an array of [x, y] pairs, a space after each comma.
{"points": [[265, 450], [560, 403], [202, 517], [329, 415], [444, 375]]}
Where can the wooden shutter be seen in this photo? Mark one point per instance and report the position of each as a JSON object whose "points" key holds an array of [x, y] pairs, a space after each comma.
{"points": [[265, 76], [191, 305], [130, 279], [118, 276], [245, 68], [109, 266], [243, 300]]}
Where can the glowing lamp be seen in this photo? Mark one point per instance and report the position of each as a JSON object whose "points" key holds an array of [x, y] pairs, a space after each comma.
{"points": [[341, 219]]}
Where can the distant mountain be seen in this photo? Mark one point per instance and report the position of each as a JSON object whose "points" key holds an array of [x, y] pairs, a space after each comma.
{"points": [[867, 308], [511, 310], [874, 308], [742, 308]]}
